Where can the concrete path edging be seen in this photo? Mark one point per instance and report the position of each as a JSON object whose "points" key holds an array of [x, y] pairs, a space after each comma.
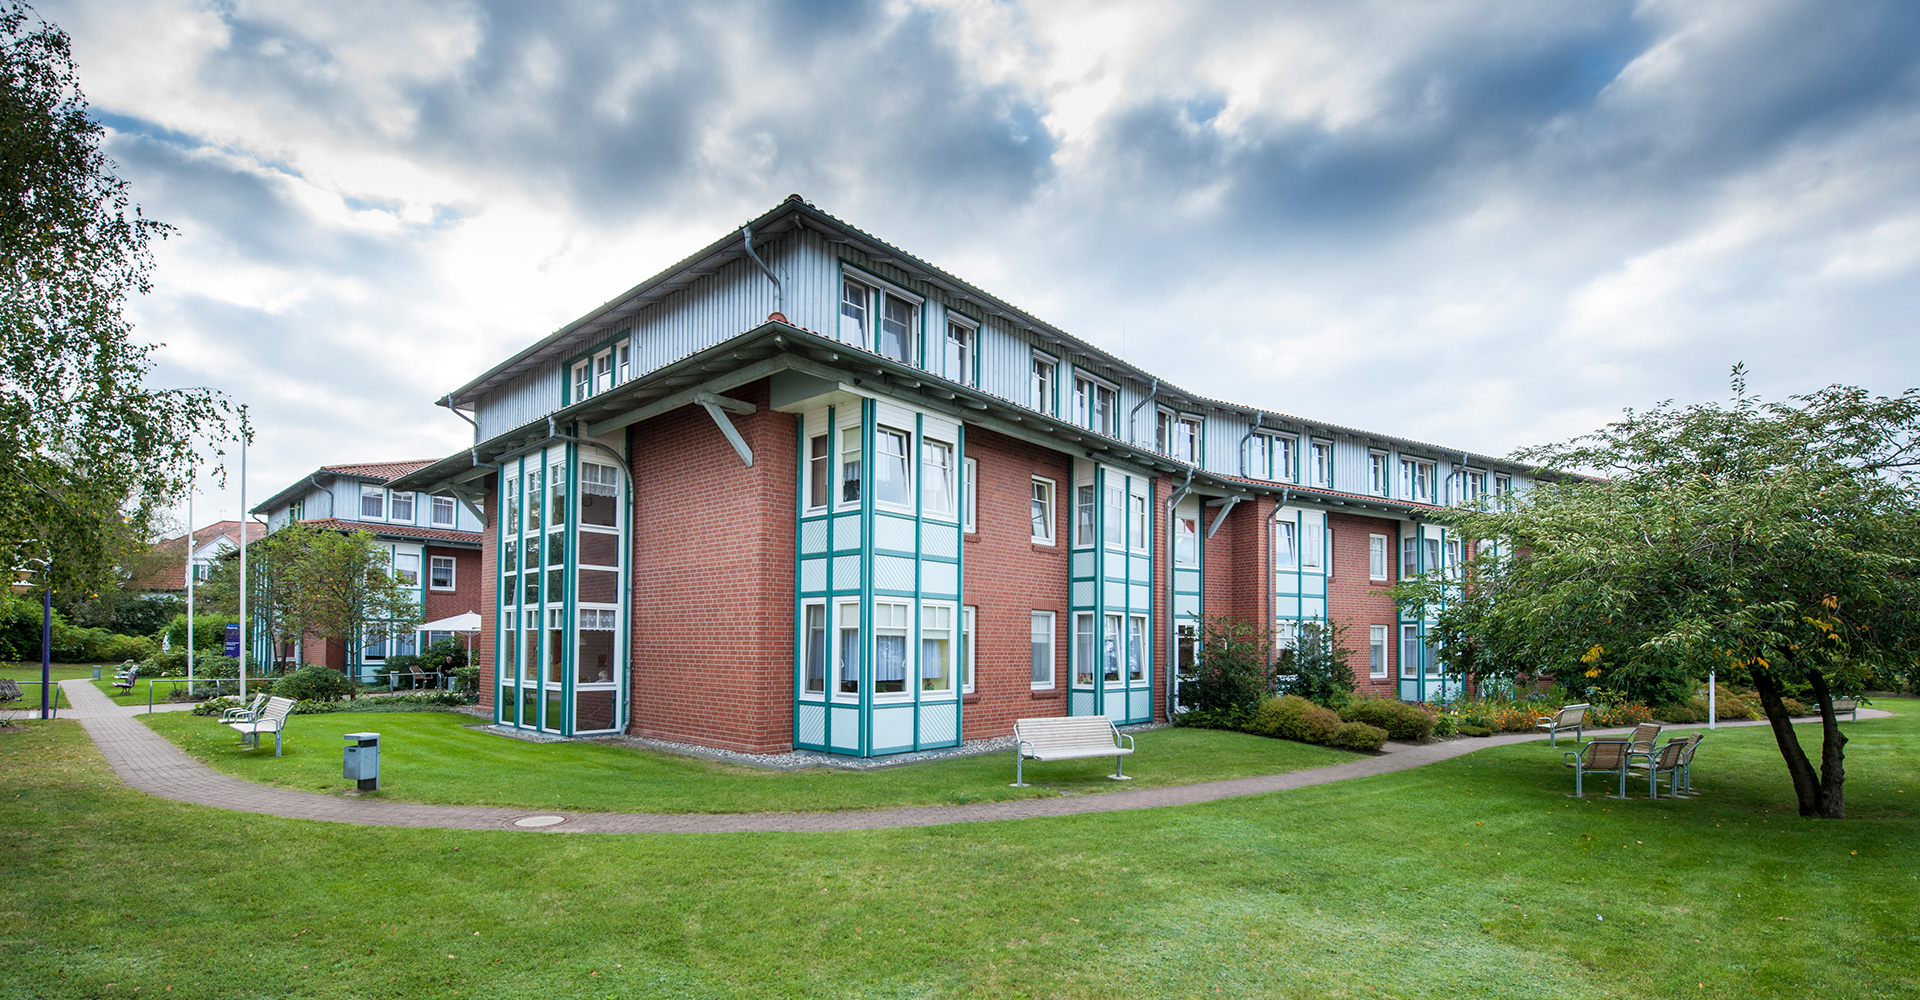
{"points": [[147, 761]]}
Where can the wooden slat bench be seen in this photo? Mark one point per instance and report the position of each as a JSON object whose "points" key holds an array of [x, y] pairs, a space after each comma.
{"points": [[1572, 717], [1067, 738], [1849, 707]]}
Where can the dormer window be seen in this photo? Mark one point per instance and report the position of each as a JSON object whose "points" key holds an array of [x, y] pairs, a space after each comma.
{"points": [[956, 360], [603, 371], [1177, 436], [1094, 405], [373, 502], [883, 320], [1041, 382], [1320, 464], [582, 380], [1416, 480], [400, 507]]}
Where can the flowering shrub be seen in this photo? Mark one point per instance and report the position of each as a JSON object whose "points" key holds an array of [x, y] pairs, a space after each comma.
{"points": [[1630, 713]]}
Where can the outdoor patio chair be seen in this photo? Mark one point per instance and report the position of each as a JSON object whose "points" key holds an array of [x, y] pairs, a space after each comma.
{"points": [[1643, 736], [1668, 760], [422, 678], [1686, 763], [1602, 757], [244, 713], [1572, 717], [273, 719]]}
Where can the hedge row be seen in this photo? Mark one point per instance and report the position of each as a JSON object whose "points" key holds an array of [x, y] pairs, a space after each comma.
{"points": [[1295, 718]]}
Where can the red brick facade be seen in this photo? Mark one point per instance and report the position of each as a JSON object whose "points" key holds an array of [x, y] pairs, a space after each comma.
{"points": [[1358, 601]]}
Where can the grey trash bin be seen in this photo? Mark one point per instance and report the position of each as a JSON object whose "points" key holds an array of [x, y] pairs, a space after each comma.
{"points": [[362, 759], [96, 673]]}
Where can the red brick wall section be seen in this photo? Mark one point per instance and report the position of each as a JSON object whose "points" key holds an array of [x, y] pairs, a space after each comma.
{"points": [[465, 595], [713, 597], [1008, 577], [1359, 602], [1238, 562]]}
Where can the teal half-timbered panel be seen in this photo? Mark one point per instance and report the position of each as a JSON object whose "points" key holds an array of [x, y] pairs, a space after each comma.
{"points": [[561, 632], [878, 621], [1302, 552], [1188, 557], [1110, 594], [1425, 548]]}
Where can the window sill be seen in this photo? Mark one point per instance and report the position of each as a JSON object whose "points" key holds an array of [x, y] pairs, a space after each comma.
{"points": [[1050, 695]]}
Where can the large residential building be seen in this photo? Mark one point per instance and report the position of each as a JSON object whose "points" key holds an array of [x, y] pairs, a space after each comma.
{"points": [[434, 542], [803, 489]]}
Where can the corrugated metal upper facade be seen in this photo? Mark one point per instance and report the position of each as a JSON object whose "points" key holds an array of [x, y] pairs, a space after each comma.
{"points": [[720, 293]]}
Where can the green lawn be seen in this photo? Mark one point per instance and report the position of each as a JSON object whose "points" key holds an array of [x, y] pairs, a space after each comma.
{"points": [[30, 692], [1474, 877], [137, 697], [434, 757]]}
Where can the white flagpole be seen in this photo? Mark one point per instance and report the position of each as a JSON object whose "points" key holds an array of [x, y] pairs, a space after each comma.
{"points": [[190, 490], [245, 523], [1713, 714]]}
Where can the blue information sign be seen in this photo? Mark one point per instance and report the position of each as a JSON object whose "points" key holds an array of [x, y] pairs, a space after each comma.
{"points": [[233, 641]]}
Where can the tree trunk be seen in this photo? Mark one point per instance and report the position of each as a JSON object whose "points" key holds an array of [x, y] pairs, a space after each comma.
{"points": [[1833, 773], [1809, 787]]}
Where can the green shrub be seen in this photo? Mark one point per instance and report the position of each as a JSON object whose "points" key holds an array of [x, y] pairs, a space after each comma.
{"points": [[1315, 665], [1278, 717], [314, 683], [1359, 736], [1232, 675], [1446, 724], [311, 707], [215, 706], [1403, 721]]}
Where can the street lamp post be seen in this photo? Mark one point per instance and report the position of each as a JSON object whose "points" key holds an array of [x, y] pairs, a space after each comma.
{"points": [[21, 586]]}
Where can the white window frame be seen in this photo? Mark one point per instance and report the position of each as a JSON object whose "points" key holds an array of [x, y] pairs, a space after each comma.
{"points": [[1139, 651], [452, 508], [398, 572], [1284, 450], [1313, 542], [969, 343], [1377, 557], [1043, 391], [1377, 639], [453, 572], [1042, 496], [936, 475], [1286, 545], [956, 622], [819, 488], [1086, 650], [1178, 435], [1114, 532], [602, 371], [1379, 473], [1409, 642], [1086, 529], [967, 654], [1083, 414], [877, 292], [910, 664], [1320, 473], [1473, 485], [1139, 521], [906, 459], [970, 495], [623, 364], [841, 455], [378, 492], [413, 505], [861, 327], [1191, 537], [837, 628], [582, 379], [1053, 649]]}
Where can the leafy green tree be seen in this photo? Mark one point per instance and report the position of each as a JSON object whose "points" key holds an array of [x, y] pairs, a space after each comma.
{"points": [[340, 586], [1780, 539], [88, 454], [1233, 674], [1316, 666], [270, 562]]}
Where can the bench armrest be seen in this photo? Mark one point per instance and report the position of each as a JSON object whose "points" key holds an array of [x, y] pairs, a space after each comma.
{"points": [[1117, 737], [1024, 748]]}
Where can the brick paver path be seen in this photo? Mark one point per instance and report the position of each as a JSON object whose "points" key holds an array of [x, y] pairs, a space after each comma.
{"points": [[149, 762]]}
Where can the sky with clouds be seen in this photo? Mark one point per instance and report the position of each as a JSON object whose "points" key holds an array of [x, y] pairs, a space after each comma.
{"points": [[1484, 223]]}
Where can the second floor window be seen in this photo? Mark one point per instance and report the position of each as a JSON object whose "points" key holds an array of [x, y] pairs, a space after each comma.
{"points": [[1471, 485], [1040, 384], [1186, 540], [1378, 479], [400, 507], [1321, 464], [373, 502], [885, 322], [1416, 480], [817, 464], [1178, 436], [898, 326], [582, 380], [1043, 511], [406, 569], [443, 511], [956, 361], [890, 471], [440, 572], [850, 465], [936, 476], [1095, 402]]}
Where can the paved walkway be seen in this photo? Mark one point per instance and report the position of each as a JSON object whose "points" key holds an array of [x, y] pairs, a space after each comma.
{"points": [[149, 762]]}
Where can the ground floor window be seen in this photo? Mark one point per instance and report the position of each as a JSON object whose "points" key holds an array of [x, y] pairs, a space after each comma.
{"points": [[813, 669], [1042, 625], [966, 649], [1083, 649], [1376, 650], [849, 649], [1409, 652], [1137, 649], [936, 648], [890, 625]]}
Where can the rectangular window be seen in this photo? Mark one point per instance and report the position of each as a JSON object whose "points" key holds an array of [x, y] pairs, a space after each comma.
{"points": [[623, 363], [1137, 649], [899, 325], [1187, 650], [443, 511], [1409, 652], [406, 568], [1502, 488], [848, 650], [1083, 516], [1376, 557], [936, 477], [818, 464], [1312, 545], [957, 360], [513, 505], [1472, 484], [1163, 431], [440, 572], [1116, 518], [1286, 551], [1083, 649], [964, 660], [582, 380], [1042, 650], [1177, 436], [1042, 513], [599, 493], [1110, 651], [1433, 554], [891, 482], [1376, 649], [297, 510], [850, 465], [1322, 464], [1378, 481], [891, 622], [855, 313], [1094, 405], [1260, 457], [400, 507], [1040, 384], [535, 488], [936, 648], [1137, 523], [1186, 540], [1283, 459], [603, 371], [969, 495], [373, 502], [1409, 567], [1423, 482]]}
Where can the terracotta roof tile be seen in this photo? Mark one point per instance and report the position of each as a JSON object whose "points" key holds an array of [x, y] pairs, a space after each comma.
{"points": [[396, 530], [382, 471]]}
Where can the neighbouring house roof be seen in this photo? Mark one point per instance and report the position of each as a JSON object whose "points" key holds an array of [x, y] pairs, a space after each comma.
{"points": [[378, 472], [412, 532], [172, 574]]}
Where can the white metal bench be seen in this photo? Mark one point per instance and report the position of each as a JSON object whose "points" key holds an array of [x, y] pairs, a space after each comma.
{"points": [[1067, 738], [272, 720], [1572, 717], [1849, 707]]}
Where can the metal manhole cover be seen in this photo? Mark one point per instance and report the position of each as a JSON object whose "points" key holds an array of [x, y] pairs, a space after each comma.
{"points": [[538, 821]]}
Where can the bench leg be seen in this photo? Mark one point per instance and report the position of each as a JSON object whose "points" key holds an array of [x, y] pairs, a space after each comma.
{"points": [[1019, 779], [1116, 775], [1623, 785], [276, 742]]}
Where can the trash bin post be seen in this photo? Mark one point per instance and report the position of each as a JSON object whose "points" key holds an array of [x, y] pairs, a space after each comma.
{"points": [[361, 760]]}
